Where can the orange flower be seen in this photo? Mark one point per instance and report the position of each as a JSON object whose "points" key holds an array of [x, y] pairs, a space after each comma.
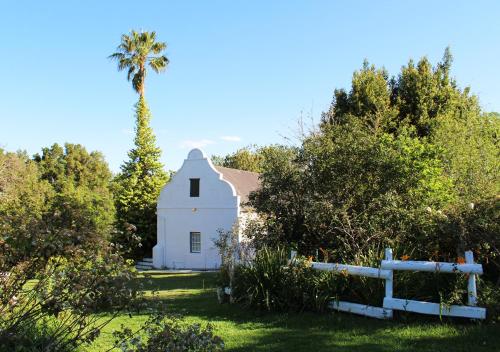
{"points": [[309, 261], [405, 257], [460, 260]]}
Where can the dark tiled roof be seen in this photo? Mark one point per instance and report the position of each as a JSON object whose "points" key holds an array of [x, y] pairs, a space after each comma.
{"points": [[243, 181]]}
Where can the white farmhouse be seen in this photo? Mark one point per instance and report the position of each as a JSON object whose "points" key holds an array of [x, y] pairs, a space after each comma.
{"points": [[199, 200]]}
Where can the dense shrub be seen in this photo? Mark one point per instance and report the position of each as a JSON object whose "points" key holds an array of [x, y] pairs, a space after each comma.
{"points": [[476, 227], [489, 297], [352, 192], [35, 338], [168, 335], [271, 283], [52, 302]]}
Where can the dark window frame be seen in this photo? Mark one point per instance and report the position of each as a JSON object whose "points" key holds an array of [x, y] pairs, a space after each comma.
{"points": [[191, 242], [194, 187]]}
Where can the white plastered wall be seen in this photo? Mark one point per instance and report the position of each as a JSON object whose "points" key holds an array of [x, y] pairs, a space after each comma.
{"points": [[217, 207]]}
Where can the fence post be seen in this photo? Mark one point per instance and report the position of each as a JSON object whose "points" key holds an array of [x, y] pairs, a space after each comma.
{"points": [[471, 286], [388, 281]]}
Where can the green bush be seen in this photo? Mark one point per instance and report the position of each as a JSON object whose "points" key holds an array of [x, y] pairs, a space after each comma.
{"points": [[34, 338], [53, 302], [271, 283], [489, 297], [162, 334]]}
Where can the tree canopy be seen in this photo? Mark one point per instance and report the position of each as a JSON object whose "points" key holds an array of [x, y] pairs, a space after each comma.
{"points": [[419, 96], [81, 182], [396, 161], [136, 51]]}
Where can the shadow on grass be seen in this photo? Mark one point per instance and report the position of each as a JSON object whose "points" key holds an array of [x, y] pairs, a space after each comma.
{"points": [[244, 329], [167, 281], [353, 339]]}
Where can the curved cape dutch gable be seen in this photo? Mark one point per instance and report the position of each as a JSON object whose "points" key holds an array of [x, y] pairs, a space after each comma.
{"points": [[187, 224]]}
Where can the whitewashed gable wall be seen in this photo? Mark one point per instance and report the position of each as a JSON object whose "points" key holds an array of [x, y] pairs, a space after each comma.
{"points": [[179, 214]]}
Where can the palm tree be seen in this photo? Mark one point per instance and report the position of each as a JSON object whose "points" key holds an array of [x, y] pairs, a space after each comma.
{"points": [[135, 52]]}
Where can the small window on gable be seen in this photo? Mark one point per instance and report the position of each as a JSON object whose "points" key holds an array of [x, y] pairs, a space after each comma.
{"points": [[194, 187], [195, 242]]}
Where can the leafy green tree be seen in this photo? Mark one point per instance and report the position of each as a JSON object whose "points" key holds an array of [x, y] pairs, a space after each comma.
{"points": [[369, 100], [418, 97], [426, 100], [350, 189], [471, 153], [142, 176], [248, 159], [62, 196], [252, 158], [24, 203], [409, 162], [81, 182], [280, 198], [423, 94]]}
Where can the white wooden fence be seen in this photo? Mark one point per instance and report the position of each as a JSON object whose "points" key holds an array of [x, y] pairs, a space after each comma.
{"points": [[385, 272]]}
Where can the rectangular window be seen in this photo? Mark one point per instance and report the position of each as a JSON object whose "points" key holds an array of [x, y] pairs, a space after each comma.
{"points": [[195, 242], [194, 187]]}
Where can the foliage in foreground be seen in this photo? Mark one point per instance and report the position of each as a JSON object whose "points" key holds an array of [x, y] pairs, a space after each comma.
{"points": [[52, 303], [162, 334], [270, 283], [55, 270]]}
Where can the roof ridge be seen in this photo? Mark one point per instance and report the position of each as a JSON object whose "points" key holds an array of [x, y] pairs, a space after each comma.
{"points": [[230, 168]]}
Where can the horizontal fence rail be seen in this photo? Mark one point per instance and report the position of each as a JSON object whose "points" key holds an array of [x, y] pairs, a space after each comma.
{"points": [[437, 267], [361, 309], [435, 308], [376, 273], [385, 272]]}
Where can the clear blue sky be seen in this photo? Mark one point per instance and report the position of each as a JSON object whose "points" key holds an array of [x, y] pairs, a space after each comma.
{"points": [[240, 72]]}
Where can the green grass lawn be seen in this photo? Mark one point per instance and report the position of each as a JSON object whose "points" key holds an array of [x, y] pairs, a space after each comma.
{"points": [[193, 295]]}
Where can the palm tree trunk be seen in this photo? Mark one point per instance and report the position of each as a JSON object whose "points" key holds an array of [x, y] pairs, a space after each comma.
{"points": [[143, 80]]}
